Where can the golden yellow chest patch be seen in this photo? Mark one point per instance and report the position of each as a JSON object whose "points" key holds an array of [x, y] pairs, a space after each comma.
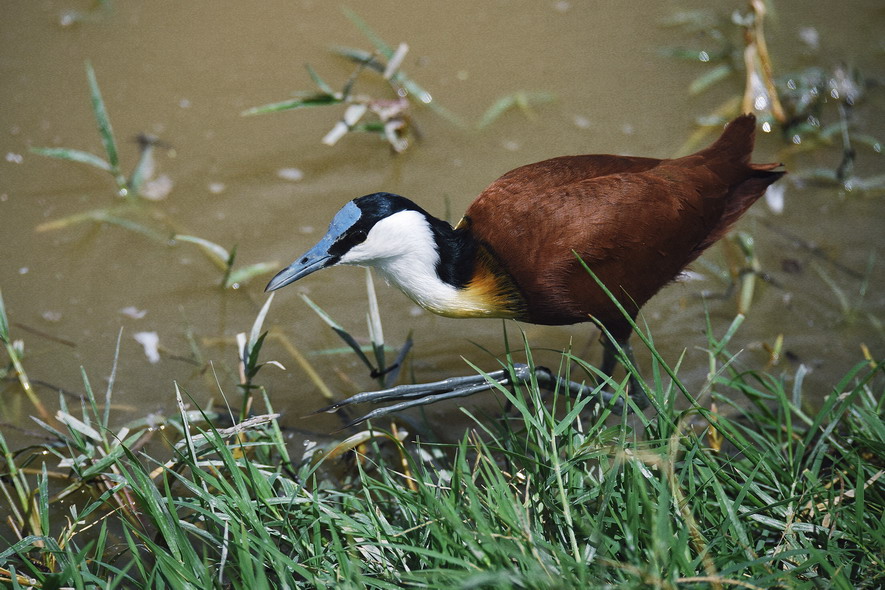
{"points": [[491, 293]]}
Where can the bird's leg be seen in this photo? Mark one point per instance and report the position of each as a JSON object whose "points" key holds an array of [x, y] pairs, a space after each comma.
{"points": [[610, 361], [420, 394]]}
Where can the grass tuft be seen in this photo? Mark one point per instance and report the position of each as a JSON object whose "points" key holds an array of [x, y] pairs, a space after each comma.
{"points": [[550, 494]]}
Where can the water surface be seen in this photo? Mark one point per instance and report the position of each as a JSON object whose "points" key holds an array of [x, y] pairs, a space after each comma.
{"points": [[185, 71]]}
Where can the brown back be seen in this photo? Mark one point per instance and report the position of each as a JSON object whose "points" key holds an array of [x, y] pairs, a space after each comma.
{"points": [[637, 222]]}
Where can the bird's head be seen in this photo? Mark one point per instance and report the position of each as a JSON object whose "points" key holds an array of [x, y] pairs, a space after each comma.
{"points": [[378, 230]]}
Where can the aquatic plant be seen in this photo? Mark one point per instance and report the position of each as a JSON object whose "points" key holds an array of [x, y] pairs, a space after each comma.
{"points": [[390, 117]]}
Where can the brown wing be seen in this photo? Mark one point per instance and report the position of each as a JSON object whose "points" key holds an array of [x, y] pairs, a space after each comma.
{"points": [[567, 170], [635, 221]]}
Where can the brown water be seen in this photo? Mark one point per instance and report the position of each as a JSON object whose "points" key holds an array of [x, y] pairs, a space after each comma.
{"points": [[185, 70]]}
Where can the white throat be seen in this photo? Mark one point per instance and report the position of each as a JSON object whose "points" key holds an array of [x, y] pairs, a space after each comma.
{"points": [[403, 250]]}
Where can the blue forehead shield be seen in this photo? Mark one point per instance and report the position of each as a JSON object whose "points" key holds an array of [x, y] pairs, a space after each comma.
{"points": [[319, 256]]}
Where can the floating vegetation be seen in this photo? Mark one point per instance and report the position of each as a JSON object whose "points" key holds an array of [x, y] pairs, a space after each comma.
{"points": [[224, 260], [390, 117], [140, 185], [523, 101], [810, 96], [126, 186], [109, 215], [800, 104], [130, 188], [728, 56], [70, 18]]}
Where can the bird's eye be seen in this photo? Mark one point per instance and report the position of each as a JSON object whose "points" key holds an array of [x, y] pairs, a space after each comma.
{"points": [[357, 237]]}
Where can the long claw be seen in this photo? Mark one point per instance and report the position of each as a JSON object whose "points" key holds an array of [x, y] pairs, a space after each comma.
{"points": [[421, 401], [421, 394], [420, 390]]}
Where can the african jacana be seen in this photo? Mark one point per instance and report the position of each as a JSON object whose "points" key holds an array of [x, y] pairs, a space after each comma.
{"points": [[636, 222]]}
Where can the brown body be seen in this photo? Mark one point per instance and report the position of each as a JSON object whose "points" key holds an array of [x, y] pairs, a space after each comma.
{"points": [[637, 222]]}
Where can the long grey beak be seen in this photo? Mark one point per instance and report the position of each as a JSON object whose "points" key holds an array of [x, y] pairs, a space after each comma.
{"points": [[313, 260], [319, 256]]}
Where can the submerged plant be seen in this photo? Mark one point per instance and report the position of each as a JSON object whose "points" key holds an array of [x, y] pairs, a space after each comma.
{"points": [[232, 278], [126, 186], [523, 101], [390, 116], [134, 188], [72, 17], [798, 102]]}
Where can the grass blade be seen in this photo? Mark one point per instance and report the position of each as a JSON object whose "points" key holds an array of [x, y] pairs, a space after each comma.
{"points": [[708, 79], [313, 100], [373, 37], [342, 333], [144, 170], [78, 425], [522, 100], [373, 317], [104, 126], [359, 56], [255, 334], [4, 321], [13, 351], [73, 155], [321, 84], [136, 227], [245, 274], [216, 253]]}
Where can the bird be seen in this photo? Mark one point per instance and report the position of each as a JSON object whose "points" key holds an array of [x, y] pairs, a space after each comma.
{"points": [[520, 250]]}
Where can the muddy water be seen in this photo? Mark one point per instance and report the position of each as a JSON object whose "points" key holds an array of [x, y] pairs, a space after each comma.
{"points": [[185, 71]]}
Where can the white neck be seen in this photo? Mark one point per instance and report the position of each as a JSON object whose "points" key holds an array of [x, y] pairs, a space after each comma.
{"points": [[403, 250]]}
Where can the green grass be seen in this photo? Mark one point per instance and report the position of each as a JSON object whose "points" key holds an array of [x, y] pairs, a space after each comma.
{"points": [[547, 495]]}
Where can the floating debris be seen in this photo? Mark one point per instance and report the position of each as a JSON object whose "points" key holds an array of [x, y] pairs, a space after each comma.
{"points": [[290, 174], [157, 188], [151, 343], [51, 316], [133, 312]]}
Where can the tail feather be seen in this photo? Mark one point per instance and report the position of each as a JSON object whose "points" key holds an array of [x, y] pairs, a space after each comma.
{"points": [[747, 181], [736, 141], [742, 198]]}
